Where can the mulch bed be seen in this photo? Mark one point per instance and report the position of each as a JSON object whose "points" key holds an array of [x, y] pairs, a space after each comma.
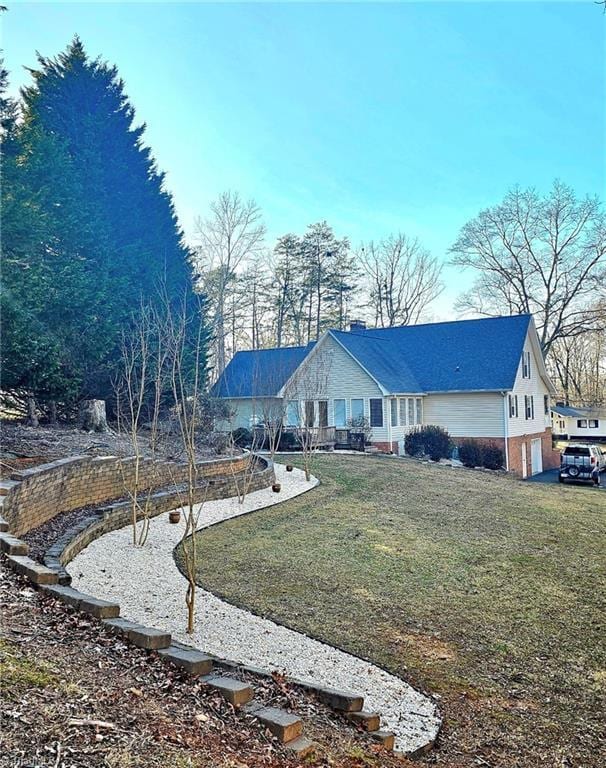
{"points": [[75, 696]]}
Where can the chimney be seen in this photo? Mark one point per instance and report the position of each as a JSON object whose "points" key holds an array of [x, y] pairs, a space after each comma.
{"points": [[357, 325]]}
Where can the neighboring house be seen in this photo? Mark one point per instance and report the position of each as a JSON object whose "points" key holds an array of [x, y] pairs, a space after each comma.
{"points": [[483, 379], [570, 423]]}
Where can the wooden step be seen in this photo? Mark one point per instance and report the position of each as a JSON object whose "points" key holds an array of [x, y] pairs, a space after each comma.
{"points": [[343, 701], [11, 545], [150, 638], [368, 721], [193, 661], [234, 691], [300, 747], [385, 738], [38, 574], [284, 726]]}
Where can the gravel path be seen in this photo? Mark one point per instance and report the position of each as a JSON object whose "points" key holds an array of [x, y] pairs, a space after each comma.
{"points": [[150, 589]]}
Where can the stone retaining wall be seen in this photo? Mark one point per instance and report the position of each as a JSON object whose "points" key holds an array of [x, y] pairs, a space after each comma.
{"points": [[119, 515], [61, 486]]}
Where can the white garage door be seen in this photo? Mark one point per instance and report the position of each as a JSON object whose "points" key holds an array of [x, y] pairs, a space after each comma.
{"points": [[536, 456]]}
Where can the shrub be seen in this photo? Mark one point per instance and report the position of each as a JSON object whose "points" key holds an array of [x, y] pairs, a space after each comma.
{"points": [[471, 453], [431, 440], [493, 457], [288, 441], [242, 437]]}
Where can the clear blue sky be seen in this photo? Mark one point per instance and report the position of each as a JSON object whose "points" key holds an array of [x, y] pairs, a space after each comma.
{"points": [[376, 117]]}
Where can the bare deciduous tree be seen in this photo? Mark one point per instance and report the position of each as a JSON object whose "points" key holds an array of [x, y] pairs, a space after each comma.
{"points": [[404, 279], [539, 255], [185, 335], [306, 387], [143, 368], [578, 365], [231, 235]]}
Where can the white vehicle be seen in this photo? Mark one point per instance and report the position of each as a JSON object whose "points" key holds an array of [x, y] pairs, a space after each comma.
{"points": [[582, 462]]}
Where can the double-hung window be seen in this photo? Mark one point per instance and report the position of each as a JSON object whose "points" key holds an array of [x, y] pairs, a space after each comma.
{"points": [[402, 411], [339, 414], [292, 413], [419, 410], [593, 423], [525, 364], [581, 423], [411, 411], [529, 406], [376, 411], [393, 409], [513, 406], [357, 409]]}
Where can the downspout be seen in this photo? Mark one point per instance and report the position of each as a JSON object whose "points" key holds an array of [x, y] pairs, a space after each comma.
{"points": [[506, 429]]}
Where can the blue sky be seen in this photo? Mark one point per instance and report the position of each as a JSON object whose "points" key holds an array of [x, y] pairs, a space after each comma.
{"points": [[376, 117]]}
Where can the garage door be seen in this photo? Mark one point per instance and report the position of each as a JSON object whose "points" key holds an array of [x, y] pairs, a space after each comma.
{"points": [[536, 456]]}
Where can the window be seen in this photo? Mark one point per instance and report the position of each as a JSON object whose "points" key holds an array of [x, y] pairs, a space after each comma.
{"points": [[402, 411], [411, 411], [357, 409], [322, 413], [582, 423], [513, 406], [593, 423], [340, 416], [525, 364], [419, 411], [376, 412], [309, 413], [393, 407], [529, 406], [546, 404], [292, 413]]}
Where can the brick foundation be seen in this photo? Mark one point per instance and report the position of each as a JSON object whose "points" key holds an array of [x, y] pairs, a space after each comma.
{"points": [[551, 458]]}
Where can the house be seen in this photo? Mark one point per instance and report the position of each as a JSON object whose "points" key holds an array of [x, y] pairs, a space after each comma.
{"points": [[584, 424], [482, 379]]}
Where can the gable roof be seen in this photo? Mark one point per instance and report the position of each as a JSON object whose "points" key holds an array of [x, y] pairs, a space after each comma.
{"points": [[259, 372], [580, 412], [462, 355]]}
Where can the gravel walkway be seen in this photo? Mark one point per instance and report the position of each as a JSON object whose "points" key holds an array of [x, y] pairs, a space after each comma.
{"points": [[150, 589]]}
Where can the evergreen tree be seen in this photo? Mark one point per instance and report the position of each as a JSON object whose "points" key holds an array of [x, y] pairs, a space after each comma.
{"points": [[90, 230]]}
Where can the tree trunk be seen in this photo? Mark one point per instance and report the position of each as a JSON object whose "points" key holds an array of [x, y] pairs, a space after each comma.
{"points": [[32, 414], [91, 416], [52, 413]]}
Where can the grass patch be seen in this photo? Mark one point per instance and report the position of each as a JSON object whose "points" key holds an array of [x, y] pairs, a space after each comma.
{"points": [[18, 673], [483, 589]]}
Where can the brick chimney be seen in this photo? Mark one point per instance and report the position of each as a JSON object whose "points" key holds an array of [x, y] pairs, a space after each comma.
{"points": [[357, 325]]}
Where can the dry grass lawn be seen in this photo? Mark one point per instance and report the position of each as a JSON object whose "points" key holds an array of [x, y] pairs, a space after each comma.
{"points": [[484, 590]]}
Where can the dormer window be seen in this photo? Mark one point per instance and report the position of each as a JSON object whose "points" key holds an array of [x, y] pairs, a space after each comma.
{"points": [[525, 364]]}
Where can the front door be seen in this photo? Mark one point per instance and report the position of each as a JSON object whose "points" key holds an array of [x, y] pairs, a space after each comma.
{"points": [[524, 461], [536, 456]]}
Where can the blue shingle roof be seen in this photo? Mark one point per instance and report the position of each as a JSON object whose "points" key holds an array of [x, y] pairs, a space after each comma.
{"points": [[259, 373], [462, 355]]}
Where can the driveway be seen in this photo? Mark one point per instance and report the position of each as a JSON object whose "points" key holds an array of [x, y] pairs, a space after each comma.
{"points": [[551, 476]]}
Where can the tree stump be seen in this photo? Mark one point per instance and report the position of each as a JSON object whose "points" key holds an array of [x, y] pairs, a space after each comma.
{"points": [[92, 417], [32, 412]]}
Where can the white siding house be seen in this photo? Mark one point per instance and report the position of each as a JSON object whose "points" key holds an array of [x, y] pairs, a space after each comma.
{"points": [[481, 379]]}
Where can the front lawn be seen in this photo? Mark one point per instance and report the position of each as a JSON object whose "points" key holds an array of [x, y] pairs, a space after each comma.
{"points": [[479, 588]]}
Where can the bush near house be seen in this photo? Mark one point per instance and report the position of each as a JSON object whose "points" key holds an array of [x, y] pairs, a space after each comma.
{"points": [[474, 454], [429, 441], [242, 437], [493, 457]]}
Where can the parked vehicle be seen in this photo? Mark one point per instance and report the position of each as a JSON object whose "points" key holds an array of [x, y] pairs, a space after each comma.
{"points": [[582, 462]]}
